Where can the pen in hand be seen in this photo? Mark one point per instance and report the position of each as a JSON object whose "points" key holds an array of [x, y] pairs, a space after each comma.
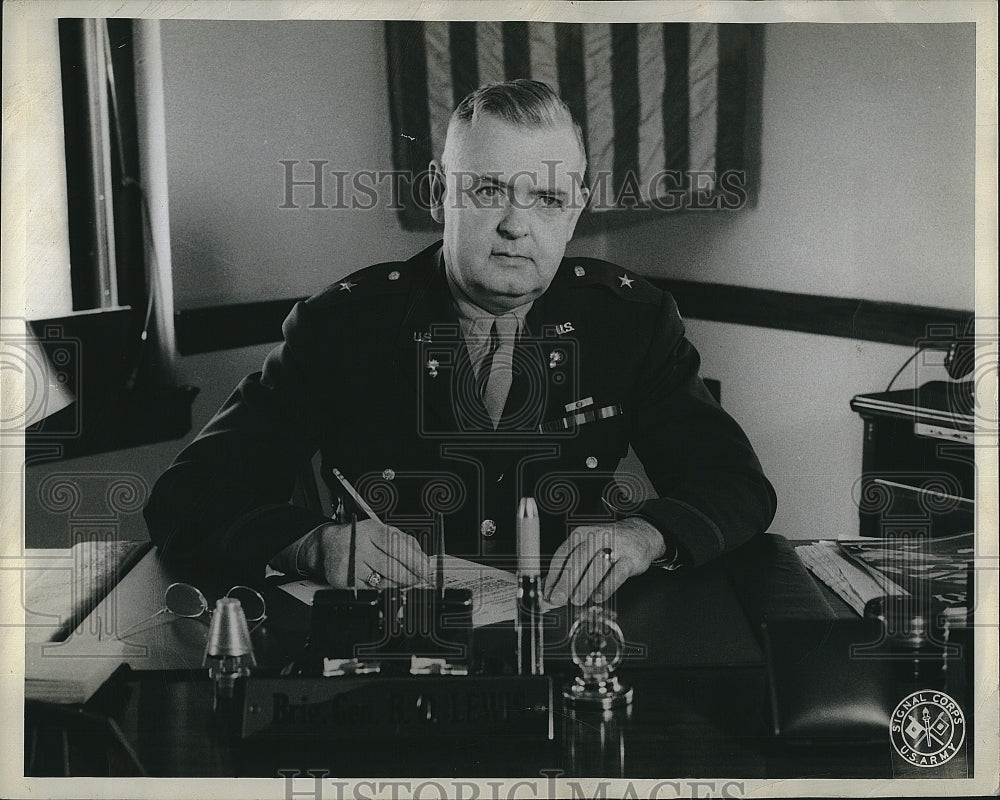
{"points": [[400, 549], [354, 494]]}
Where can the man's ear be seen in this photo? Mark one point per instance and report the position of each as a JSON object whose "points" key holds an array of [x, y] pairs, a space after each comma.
{"points": [[437, 186]]}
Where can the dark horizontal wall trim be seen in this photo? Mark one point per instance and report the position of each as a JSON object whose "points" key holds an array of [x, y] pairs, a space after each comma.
{"points": [[203, 330], [865, 320]]}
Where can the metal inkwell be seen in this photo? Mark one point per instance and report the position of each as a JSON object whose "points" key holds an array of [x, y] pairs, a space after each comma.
{"points": [[596, 645]]}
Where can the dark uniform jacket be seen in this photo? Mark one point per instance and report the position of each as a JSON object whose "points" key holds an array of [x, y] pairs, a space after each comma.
{"points": [[374, 373]]}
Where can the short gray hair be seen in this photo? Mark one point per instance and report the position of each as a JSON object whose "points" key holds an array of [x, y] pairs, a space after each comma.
{"points": [[532, 104]]}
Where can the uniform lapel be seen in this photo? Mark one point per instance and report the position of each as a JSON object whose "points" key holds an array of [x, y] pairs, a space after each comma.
{"points": [[431, 356], [546, 364]]}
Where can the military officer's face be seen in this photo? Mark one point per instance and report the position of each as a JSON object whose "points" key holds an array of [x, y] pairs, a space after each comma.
{"points": [[512, 196]]}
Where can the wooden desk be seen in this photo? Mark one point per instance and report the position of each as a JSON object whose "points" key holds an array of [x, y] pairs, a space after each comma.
{"points": [[700, 688]]}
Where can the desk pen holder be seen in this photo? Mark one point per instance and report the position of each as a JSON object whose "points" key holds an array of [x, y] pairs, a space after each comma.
{"points": [[437, 625], [347, 627], [528, 626]]}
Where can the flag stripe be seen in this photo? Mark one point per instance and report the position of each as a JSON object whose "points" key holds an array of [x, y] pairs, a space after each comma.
{"points": [[411, 133], [597, 78], [649, 96], [675, 96], [734, 65], [703, 96], [439, 91], [464, 61], [516, 50], [569, 63], [543, 53], [651, 80], [489, 52], [625, 99]]}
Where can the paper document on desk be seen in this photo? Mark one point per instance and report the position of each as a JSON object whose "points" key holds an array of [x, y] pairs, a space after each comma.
{"points": [[494, 591], [939, 566], [854, 585]]}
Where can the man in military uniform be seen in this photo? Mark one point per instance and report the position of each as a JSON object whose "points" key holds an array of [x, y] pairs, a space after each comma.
{"points": [[486, 368]]}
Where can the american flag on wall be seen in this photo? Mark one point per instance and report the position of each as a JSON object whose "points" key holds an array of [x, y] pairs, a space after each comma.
{"points": [[661, 105]]}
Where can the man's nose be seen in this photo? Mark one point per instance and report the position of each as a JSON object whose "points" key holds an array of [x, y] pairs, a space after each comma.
{"points": [[513, 223]]}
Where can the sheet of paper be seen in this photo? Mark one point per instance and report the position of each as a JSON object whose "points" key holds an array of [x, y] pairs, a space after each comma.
{"points": [[303, 589], [494, 591]]}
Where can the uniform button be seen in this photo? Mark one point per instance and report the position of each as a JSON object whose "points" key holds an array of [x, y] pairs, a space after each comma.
{"points": [[388, 473], [591, 462], [488, 527], [394, 275], [579, 271], [499, 477]]}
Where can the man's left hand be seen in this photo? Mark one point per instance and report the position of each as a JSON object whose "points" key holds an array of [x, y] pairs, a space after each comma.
{"points": [[596, 559]]}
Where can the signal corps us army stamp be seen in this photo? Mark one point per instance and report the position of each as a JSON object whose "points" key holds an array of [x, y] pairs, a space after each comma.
{"points": [[927, 728]]}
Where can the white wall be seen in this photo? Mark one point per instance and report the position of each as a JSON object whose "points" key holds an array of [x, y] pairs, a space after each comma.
{"points": [[791, 392], [866, 191], [242, 96], [867, 173]]}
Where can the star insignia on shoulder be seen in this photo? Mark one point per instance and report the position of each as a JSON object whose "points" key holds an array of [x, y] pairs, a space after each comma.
{"points": [[346, 286], [626, 280]]}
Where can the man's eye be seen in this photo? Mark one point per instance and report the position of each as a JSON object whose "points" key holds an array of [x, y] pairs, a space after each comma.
{"points": [[488, 191], [550, 201]]}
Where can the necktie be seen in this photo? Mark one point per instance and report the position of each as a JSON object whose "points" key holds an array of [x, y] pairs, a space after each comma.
{"points": [[495, 370], [486, 362]]}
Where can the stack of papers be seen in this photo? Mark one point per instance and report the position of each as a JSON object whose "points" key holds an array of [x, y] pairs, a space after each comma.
{"points": [[936, 566], [854, 585]]}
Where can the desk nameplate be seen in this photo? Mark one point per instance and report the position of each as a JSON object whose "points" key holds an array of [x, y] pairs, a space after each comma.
{"points": [[352, 708]]}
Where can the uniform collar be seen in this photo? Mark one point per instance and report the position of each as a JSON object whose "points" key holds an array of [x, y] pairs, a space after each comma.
{"points": [[432, 301]]}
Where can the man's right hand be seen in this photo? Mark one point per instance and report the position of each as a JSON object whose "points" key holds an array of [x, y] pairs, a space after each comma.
{"points": [[380, 549]]}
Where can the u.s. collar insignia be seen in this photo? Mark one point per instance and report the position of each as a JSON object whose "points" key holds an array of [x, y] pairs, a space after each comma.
{"points": [[566, 327]]}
